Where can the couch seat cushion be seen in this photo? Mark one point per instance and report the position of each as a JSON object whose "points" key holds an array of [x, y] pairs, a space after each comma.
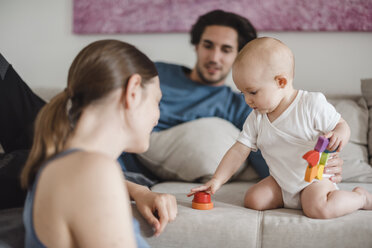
{"points": [[229, 224], [217, 227]]}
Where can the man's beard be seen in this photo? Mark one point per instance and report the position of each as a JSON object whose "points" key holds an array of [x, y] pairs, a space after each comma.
{"points": [[207, 81]]}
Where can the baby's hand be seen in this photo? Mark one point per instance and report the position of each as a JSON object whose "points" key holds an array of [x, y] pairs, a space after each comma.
{"points": [[210, 187], [337, 140]]}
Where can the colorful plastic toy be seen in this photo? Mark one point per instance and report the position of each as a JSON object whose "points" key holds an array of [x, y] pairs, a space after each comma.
{"points": [[202, 201], [316, 159]]}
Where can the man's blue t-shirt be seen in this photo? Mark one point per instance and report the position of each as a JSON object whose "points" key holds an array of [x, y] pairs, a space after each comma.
{"points": [[185, 100]]}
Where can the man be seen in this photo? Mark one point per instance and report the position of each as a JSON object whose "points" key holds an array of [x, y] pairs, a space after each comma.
{"points": [[217, 36], [189, 94]]}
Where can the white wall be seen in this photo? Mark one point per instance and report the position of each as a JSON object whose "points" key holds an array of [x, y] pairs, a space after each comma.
{"points": [[36, 37]]}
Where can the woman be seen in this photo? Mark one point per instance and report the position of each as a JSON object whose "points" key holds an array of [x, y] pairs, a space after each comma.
{"points": [[76, 195]]}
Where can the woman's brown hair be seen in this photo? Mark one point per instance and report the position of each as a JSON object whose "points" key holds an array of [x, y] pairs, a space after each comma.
{"points": [[97, 70]]}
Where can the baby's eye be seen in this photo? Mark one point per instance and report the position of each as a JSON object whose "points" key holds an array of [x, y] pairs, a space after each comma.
{"points": [[253, 92]]}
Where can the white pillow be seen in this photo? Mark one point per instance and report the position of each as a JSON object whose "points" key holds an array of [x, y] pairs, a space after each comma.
{"points": [[190, 151]]}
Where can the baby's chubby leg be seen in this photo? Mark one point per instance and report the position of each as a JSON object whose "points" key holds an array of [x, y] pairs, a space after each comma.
{"points": [[321, 200], [264, 195]]}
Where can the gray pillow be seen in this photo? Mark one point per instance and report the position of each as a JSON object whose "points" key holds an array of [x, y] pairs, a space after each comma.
{"points": [[190, 151], [366, 87], [355, 153]]}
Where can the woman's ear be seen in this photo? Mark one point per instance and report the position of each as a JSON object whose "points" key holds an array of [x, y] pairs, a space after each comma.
{"points": [[133, 92], [281, 81]]}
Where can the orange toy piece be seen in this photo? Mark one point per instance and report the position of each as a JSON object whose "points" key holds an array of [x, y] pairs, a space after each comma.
{"points": [[311, 173], [202, 201]]}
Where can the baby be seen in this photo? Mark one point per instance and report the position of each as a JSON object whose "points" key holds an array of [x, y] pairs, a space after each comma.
{"points": [[285, 123]]}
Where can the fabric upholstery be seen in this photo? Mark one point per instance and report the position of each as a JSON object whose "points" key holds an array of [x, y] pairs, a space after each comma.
{"points": [[229, 224], [11, 228], [189, 151], [366, 87]]}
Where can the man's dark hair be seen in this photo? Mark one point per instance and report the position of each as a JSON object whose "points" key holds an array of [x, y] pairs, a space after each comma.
{"points": [[246, 31]]}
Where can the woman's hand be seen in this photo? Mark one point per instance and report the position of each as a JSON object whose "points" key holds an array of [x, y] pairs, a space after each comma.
{"points": [[334, 166], [158, 209]]}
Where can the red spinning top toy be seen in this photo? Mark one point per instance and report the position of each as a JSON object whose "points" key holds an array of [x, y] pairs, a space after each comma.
{"points": [[202, 201]]}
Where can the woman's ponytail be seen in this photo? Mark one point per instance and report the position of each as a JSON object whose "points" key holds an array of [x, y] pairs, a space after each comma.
{"points": [[52, 128]]}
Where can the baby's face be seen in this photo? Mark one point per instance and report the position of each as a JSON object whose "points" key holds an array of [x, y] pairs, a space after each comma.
{"points": [[260, 90]]}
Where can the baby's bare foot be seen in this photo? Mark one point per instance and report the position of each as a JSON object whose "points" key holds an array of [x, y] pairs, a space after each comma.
{"points": [[368, 196]]}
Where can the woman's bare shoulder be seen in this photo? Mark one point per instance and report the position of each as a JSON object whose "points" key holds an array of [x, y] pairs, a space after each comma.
{"points": [[83, 173], [88, 192]]}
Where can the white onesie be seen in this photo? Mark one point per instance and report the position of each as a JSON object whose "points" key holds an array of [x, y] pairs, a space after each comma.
{"points": [[284, 141]]}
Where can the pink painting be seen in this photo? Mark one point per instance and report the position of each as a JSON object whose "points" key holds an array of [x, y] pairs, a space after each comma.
{"points": [[154, 16]]}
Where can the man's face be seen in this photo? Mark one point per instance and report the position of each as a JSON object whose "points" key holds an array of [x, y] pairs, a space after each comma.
{"points": [[216, 52]]}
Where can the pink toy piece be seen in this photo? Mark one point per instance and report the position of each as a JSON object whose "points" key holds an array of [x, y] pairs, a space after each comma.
{"points": [[322, 144]]}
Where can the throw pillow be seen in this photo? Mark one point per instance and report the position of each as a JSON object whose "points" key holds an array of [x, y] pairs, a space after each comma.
{"points": [[355, 153], [190, 151], [355, 113]]}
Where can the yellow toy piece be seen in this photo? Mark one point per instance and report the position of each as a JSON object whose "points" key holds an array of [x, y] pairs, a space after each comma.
{"points": [[320, 172], [311, 173]]}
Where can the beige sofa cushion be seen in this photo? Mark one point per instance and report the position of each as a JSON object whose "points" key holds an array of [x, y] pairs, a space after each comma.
{"points": [[229, 224], [190, 151], [226, 225]]}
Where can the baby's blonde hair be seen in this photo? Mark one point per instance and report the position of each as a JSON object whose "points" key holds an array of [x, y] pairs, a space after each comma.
{"points": [[270, 52]]}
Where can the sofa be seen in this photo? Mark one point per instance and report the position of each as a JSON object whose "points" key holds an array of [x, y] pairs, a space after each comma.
{"points": [[187, 155]]}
